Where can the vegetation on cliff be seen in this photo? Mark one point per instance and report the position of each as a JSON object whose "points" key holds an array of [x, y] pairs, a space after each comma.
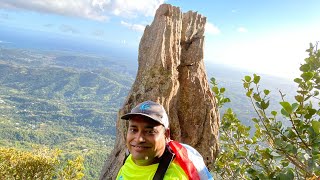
{"points": [[276, 150]]}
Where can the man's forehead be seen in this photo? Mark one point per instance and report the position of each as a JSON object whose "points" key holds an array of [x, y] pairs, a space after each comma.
{"points": [[144, 121]]}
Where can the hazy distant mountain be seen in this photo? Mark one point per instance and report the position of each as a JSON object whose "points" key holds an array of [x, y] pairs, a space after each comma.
{"points": [[231, 79], [40, 40]]}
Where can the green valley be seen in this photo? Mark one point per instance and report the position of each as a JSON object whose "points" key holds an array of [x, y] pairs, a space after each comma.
{"points": [[61, 100]]}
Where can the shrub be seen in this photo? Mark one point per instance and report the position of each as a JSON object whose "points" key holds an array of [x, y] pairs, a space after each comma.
{"points": [[274, 151]]}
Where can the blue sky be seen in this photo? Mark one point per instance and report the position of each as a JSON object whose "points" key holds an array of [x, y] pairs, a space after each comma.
{"points": [[261, 36]]}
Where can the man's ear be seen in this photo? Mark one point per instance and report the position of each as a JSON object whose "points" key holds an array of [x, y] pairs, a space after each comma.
{"points": [[167, 134]]}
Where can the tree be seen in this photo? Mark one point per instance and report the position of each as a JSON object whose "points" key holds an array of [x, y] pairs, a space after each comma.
{"points": [[73, 169], [38, 164], [274, 151]]}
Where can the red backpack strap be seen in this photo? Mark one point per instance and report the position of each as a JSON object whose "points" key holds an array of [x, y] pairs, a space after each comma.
{"points": [[183, 160]]}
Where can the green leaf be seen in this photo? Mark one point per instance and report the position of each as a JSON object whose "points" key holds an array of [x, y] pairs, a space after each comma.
{"points": [[274, 113], [264, 105], [291, 134], [278, 142], [246, 85], [289, 175], [254, 139], [266, 154], [222, 90], [255, 120], [249, 141], [285, 163], [310, 113], [316, 126], [215, 90], [298, 80], [247, 78], [303, 92], [262, 113], [284, 112], [294, 107], [256, 97], [299, 98], [256, 79], [213, 81], [305, 68], [279, 124], [289, 148], [249, 93], [258, 105], [266, 91], [242, 153], [286, 106], [251, 171], [307, 76], [226, 100]]}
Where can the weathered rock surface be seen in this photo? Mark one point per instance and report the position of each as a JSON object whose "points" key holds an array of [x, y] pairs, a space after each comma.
{"points": [[171, 71]]}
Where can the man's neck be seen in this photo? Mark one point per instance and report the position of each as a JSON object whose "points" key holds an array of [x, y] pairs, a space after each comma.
{"points": [[146, 162]]}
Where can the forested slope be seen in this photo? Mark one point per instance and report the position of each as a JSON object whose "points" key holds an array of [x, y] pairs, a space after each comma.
{"points": [[61, 100]]}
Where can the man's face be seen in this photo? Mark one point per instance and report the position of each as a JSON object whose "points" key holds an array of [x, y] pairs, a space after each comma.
{"points": [[146, 140]]}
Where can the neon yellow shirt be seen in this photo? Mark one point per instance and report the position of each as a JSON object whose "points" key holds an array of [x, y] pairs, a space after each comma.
{"points": [[132, 171]]}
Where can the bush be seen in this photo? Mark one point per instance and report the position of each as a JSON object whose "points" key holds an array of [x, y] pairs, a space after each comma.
{"points": [[38, 164], [274, 151]]}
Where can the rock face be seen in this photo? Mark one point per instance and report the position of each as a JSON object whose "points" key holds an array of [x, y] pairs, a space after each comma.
{"points": [[171, 72]]}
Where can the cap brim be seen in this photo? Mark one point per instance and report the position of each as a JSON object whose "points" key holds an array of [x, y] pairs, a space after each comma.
{"points": [[130, 115]]}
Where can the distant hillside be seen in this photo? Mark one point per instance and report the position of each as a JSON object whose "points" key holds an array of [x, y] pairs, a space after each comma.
{"points": [[61, 100]]}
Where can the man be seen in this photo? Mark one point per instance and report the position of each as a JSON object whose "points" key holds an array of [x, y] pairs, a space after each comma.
{"points": [[148, 140]]}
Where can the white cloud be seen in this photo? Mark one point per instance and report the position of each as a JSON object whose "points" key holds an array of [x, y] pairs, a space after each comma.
{"points": [[133, 8], [242, 29], [136, 27], [99, 10], [211, 29]]}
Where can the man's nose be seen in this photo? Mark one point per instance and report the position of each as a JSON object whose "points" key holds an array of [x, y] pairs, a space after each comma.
{"points": [[140, 137]]}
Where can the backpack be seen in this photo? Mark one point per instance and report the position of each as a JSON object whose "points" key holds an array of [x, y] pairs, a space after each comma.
{"points": [[190, 161]]}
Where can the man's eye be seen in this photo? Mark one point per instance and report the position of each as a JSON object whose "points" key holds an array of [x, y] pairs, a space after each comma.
{"points": [[151, 132], [133, 130]]}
